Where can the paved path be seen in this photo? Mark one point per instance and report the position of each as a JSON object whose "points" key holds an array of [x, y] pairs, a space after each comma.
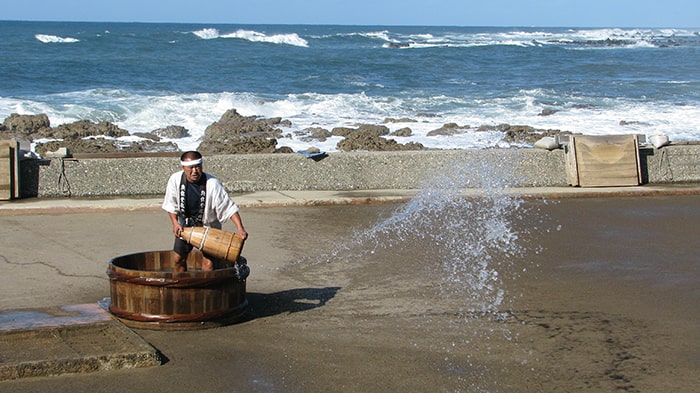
{"points": [[55, 257], [313, 198]]}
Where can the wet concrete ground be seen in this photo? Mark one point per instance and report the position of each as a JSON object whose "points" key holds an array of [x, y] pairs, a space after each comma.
{"points": [[600, 295]]}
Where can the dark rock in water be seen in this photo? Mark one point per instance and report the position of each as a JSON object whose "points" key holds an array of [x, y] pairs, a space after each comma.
{"points": [[25, 125], [105, 146], [237, 134], [401, 120], [172, 132], [526, 134], [448, 129], [82, 129], [284, 150], [547, 112], [373, 129], [369, 137], [278, 121], [402, 132], [232, 123], [233, 133], [631, 123], [487, 127], [147, 135], [584, 106], [521, 134], [82, 136], [239, 145], [342, 131], [317, 133], [369, 140]]}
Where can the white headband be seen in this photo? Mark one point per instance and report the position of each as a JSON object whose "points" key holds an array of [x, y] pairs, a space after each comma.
{"points": [[191, 163]]}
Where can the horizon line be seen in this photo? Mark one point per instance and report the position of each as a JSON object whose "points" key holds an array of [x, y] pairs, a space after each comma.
{"points": [[359, 25]]}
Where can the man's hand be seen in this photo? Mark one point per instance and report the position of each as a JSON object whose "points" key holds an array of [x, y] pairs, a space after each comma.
{"points": [[177, 230]]}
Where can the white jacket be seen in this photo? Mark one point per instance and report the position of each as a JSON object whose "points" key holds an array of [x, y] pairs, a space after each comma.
{"points": [[218, 207]]}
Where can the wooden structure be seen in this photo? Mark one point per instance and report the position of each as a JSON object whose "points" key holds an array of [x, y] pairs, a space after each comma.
{"points": [[603, 161], [214, 242], [9, 169], [146, 293]]}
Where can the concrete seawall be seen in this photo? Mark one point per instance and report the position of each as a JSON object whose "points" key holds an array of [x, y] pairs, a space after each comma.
{"points": [[146, 175]]}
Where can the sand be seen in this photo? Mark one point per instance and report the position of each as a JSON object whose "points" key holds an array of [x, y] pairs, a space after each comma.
{"points": [[600, 295]]}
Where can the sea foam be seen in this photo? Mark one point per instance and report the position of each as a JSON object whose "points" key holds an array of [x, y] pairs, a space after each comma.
{"points": [[144, 112], [253, 36], [47, 38]]}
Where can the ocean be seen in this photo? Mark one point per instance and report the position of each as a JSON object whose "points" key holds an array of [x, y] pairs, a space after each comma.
{"points": [[144, 76]]}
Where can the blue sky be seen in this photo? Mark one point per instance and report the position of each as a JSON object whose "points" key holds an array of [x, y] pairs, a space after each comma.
{"points": [[544, 13]]}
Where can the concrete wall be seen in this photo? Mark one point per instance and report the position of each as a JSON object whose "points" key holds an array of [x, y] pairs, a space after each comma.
{"points": [[146, 176]]}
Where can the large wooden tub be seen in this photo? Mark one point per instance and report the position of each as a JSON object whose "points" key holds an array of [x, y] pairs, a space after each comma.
{"points": [[146, 293]]}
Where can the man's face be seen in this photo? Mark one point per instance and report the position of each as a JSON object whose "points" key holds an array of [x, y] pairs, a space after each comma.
{"points": [[193, 173]]}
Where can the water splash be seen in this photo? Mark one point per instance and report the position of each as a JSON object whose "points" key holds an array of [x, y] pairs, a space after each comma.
{"points": [[475, 239], [464, 216], [467, 228]]}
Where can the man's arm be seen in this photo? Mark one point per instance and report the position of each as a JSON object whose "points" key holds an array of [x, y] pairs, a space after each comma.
{"points": [[236, 219], [177, 228]]}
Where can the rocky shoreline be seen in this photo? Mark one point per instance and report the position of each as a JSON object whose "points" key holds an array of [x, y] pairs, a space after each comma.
{"points": [[234, 134], [242, 152]]}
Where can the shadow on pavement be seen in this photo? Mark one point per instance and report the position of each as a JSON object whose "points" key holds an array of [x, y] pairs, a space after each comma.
{"points": [[295, 300]]}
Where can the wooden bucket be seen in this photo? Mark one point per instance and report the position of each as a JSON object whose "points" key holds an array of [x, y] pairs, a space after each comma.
{"points": [[146, 293], [214, 242]]}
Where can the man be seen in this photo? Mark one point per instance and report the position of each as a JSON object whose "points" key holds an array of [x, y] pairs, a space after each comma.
{"points": [[195, 198]]}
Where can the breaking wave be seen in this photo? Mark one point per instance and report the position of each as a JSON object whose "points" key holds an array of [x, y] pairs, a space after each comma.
{"points": [[47, 38], [253, 36]]}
